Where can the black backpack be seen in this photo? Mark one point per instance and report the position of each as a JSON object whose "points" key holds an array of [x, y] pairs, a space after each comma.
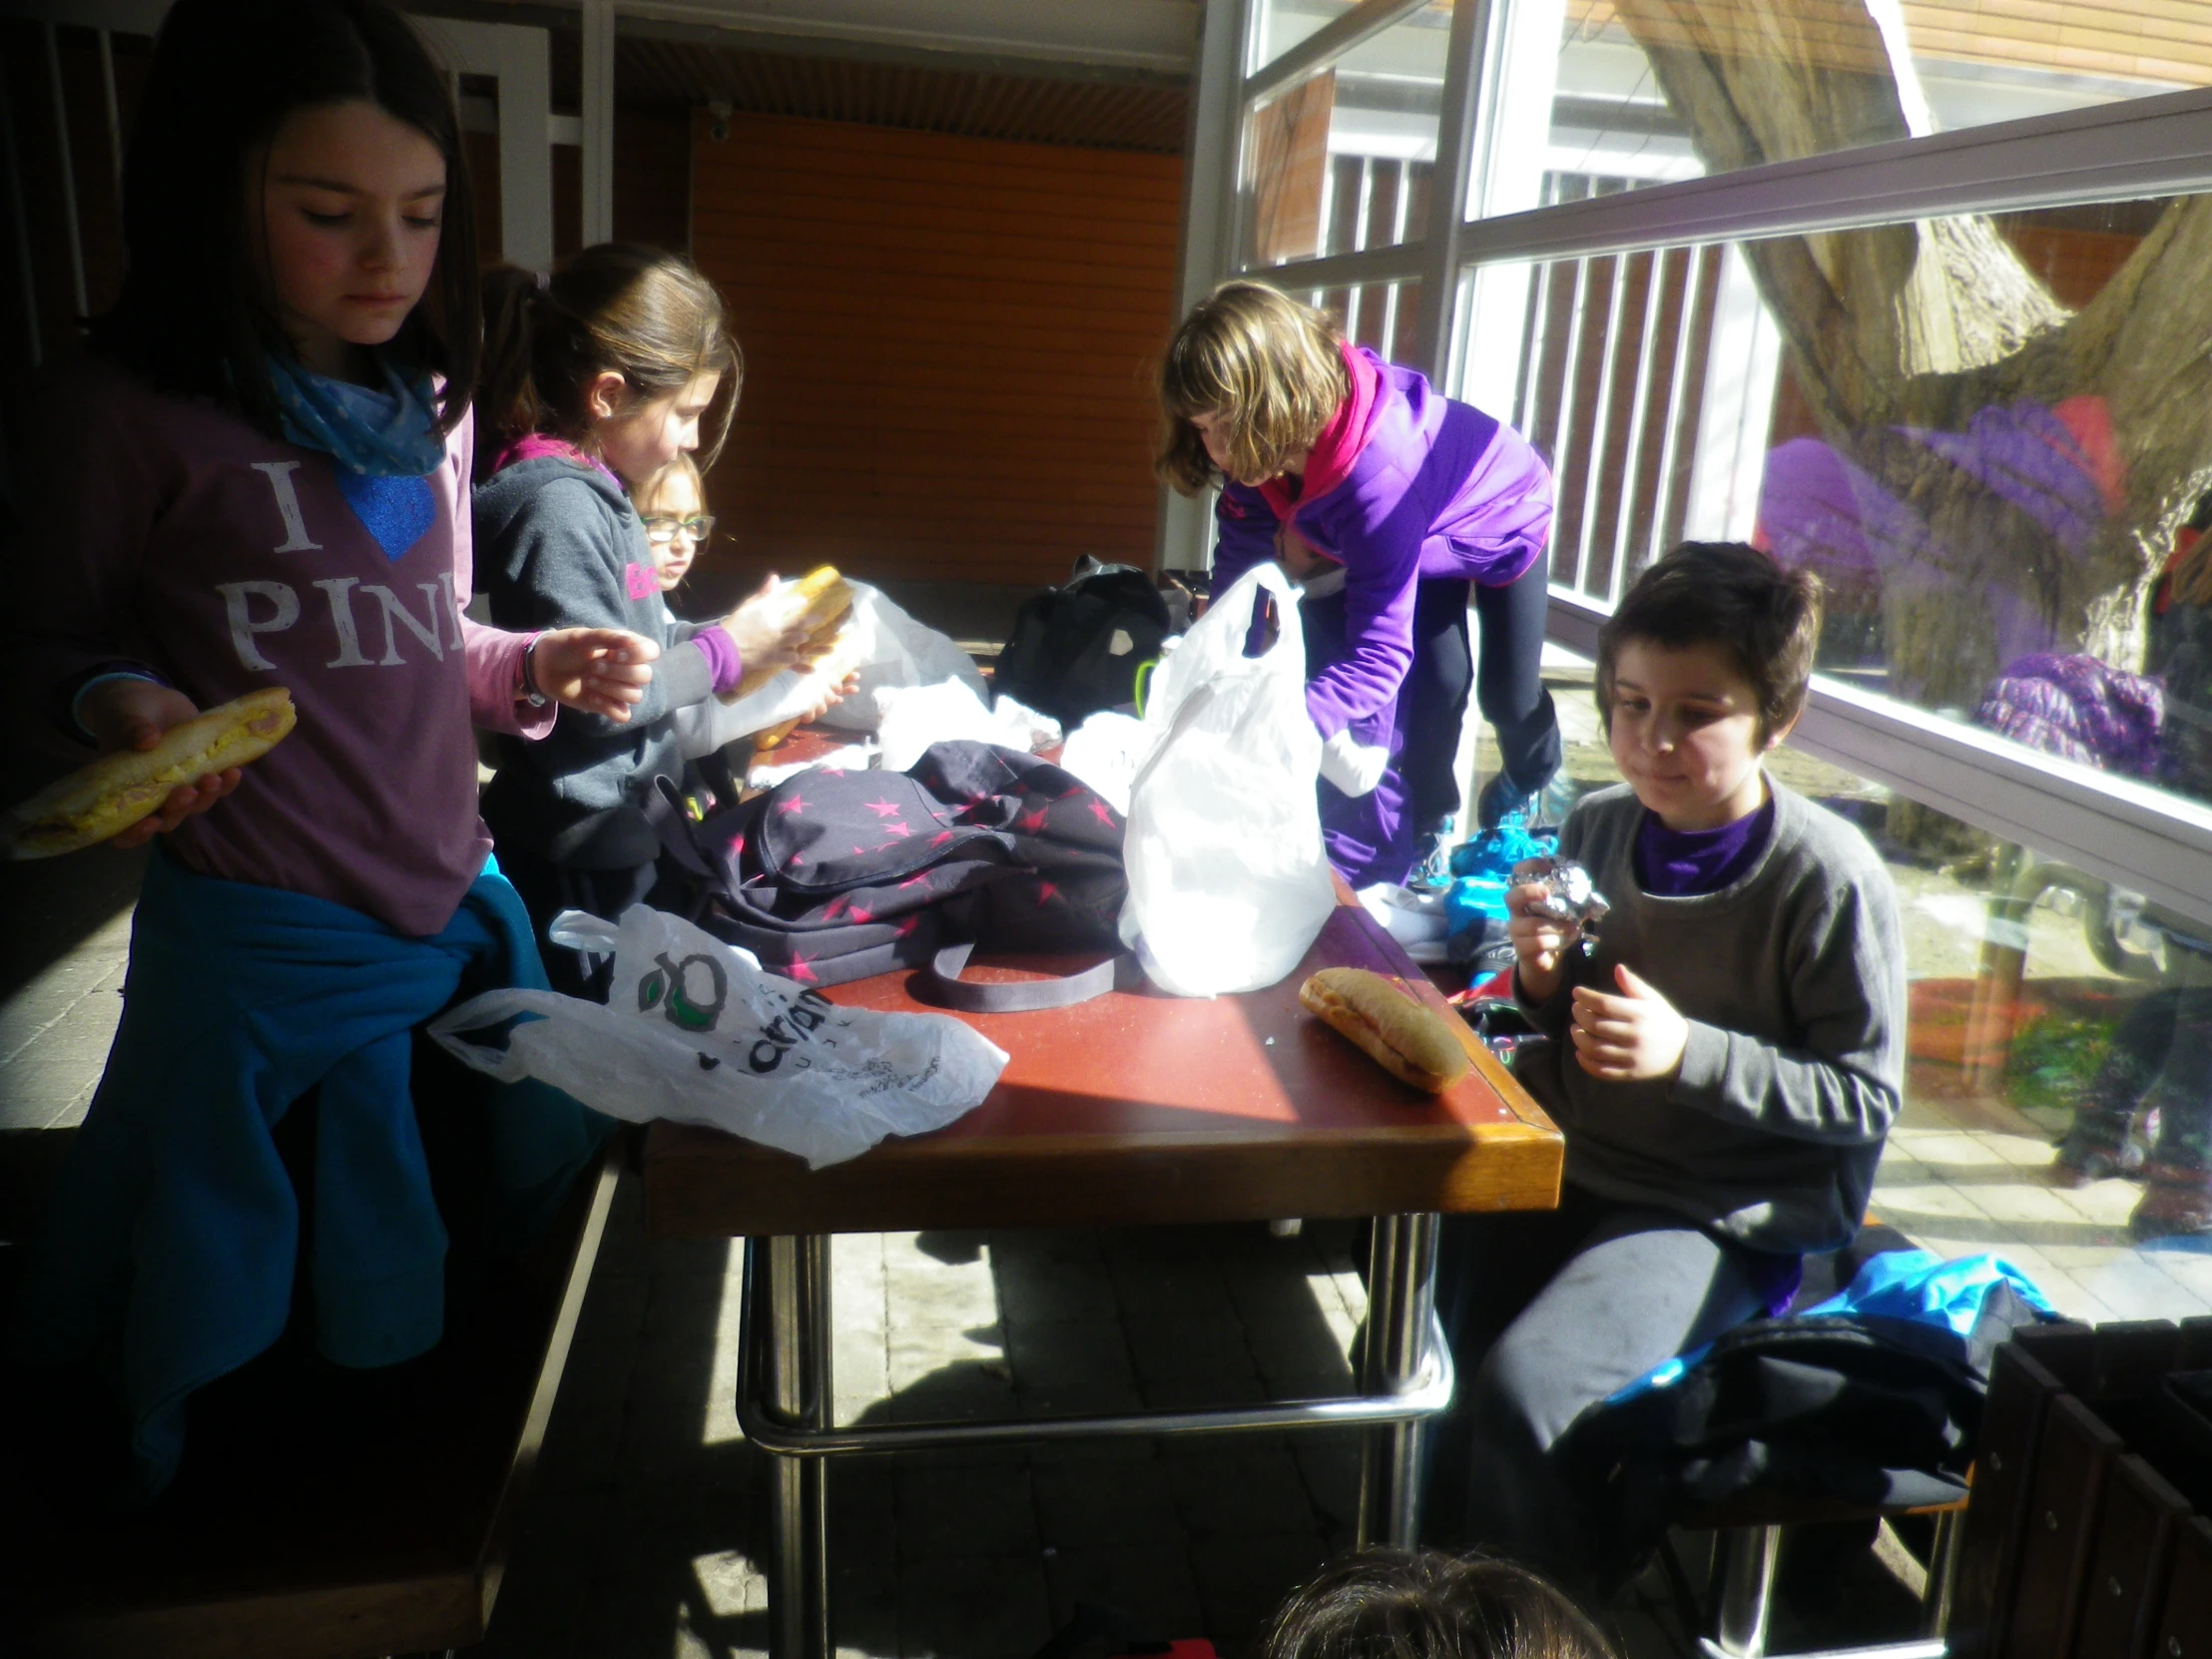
{"points": [[837, 876], [1077, 650]]}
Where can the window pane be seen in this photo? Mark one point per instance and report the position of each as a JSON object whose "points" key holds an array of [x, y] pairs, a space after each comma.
{"points": [[1675, 88], [1992, 439], [1379, 316], [2044, 1007], [1343, 162]]}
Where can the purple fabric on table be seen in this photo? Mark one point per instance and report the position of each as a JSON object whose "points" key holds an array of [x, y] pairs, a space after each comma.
{"points": [[1686, 863], [1775, 1280], [1438, 489], [723, 665], [2078, 708]]}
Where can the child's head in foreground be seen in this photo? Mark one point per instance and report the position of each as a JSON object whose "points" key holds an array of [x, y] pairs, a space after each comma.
{"points": [[1248, 381], [1701, 671], [673, 505], [1390, 1604]]}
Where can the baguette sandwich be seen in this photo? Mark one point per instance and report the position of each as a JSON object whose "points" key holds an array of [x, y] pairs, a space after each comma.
{"points": [[816, 605], [1412, 1042], [105, 798]]}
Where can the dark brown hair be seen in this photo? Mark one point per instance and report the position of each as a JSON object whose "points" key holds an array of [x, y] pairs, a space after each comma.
{"points": [[193, 316], [1394, 1604], [1764, 614], [1272, 368], [649, 317]]}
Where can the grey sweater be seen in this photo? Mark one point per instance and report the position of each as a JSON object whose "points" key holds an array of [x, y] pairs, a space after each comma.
{"points": [[558, 545], [1793, 981]]}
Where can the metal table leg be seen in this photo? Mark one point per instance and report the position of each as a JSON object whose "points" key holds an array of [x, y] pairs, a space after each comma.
{"points": [[1402, 1295], [801, 1396]]}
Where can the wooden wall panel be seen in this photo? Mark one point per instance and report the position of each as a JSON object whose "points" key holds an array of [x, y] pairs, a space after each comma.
{"points": [[949, 346]]}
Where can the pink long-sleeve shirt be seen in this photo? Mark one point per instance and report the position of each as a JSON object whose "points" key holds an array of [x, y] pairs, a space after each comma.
{"points": [[165, 532]]}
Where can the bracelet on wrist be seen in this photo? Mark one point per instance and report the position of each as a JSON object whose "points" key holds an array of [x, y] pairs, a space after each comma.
{"points": [[530, 693]]}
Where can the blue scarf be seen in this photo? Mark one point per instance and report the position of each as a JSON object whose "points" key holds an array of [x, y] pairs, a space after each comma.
{"points": [[391, 433]]}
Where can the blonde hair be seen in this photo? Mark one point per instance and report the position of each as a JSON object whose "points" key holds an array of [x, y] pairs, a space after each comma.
{"points": [[647, 315], [1271, 368], [681, 467]]}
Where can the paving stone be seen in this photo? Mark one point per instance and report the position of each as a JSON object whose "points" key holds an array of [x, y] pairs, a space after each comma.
{"points": [[1036, 1289], [973, 1607], [1097, 1504], [966, 1509], [1329, 1461], [1167, 1289], [863, 1511], [1201, 1392], [1054, 1355], [1241, 1580], [1151, 1582], [1179, 1347], [965, 1393], [1241, 1492], [1082, 1400]]}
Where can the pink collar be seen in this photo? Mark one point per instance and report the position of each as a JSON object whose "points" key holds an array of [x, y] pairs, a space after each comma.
{"points": [[1341, 441], [532, 446]]}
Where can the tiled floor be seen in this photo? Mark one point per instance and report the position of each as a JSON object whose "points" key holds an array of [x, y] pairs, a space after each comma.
{"points": [[643, 1535]]}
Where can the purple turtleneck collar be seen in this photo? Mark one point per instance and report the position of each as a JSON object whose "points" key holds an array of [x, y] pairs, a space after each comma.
{"points": [[1688, 863]]}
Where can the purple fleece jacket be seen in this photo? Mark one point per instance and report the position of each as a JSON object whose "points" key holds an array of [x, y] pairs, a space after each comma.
{"points": [[1434, 488]]}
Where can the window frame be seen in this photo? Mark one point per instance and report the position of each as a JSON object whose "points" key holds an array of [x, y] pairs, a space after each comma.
{"points": [[2125, 832]]}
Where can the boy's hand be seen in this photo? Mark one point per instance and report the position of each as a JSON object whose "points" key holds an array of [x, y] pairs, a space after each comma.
{"points": [[1630, 1038], [1539, 941], [599, 671], [134, 714]]}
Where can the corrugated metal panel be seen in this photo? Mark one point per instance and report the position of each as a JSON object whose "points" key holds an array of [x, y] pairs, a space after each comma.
{"points": [[1094, 114], [948, 345]]}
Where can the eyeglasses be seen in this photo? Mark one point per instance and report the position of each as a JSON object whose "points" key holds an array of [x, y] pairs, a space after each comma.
{"points": [[660, 531]]}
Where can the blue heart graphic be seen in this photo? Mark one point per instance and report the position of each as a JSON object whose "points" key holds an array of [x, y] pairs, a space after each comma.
{"points": [[397, 511]]}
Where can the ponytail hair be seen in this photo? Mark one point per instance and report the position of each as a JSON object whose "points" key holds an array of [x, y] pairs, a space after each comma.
{"points": [[647, 315], [193, 316]]}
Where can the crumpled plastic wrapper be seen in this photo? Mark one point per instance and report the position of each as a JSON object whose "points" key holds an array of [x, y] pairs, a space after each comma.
{"points": [[1574, 896]]}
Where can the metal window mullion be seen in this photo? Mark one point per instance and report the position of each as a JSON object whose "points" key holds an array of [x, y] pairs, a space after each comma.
{"points": [[1335, 270], [69, 170], [2123, 832], [598, 118], [2136, 148], [1670, 442], [1641, 392], [27, 274], [1364, 206], [114, 107], [1324, 46], [1530, 406], [1468, 56], [1601, 411]]}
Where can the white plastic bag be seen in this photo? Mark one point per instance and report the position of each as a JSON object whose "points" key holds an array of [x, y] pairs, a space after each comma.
{"points": [[891, 649], [1105, 752], [914, 717], [695, 1032], [1228, 882], [880, 643]]}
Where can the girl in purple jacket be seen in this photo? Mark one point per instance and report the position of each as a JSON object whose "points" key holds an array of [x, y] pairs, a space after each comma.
{"points": [[1326, 454]]}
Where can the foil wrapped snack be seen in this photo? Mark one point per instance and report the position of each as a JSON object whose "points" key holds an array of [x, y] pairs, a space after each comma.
{"points": [[1572, 897]]}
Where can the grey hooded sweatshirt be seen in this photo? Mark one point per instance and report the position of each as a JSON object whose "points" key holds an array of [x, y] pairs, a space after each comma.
{"points": [[558, 545]]}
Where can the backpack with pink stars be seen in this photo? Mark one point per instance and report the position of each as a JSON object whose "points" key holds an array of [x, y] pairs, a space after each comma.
{"points": [[838, 875]]}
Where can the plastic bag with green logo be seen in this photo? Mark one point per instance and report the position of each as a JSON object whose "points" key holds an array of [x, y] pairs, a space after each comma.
{"points": [[694, 1031]]}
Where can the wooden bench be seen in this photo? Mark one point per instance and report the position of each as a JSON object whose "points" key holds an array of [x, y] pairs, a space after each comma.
{"points": [[319, 1513]]}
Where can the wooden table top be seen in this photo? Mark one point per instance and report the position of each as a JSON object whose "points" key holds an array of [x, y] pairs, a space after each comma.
{"points": [[1140, 1107]]}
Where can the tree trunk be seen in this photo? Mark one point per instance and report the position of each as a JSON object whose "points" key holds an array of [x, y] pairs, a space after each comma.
{"points": [[1938, 326]]}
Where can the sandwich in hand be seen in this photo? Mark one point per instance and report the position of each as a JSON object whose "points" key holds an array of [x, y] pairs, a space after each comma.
{"points": [[105, 799], [817, 605], [1406, 1038]]}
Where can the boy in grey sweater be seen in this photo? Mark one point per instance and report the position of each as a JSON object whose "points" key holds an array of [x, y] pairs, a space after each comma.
{"points": [[1726, 1060]]}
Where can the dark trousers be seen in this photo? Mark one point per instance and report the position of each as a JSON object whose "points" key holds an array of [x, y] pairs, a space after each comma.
{"points": [[1508, 684], [1547, 1313], [548, 888]]}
